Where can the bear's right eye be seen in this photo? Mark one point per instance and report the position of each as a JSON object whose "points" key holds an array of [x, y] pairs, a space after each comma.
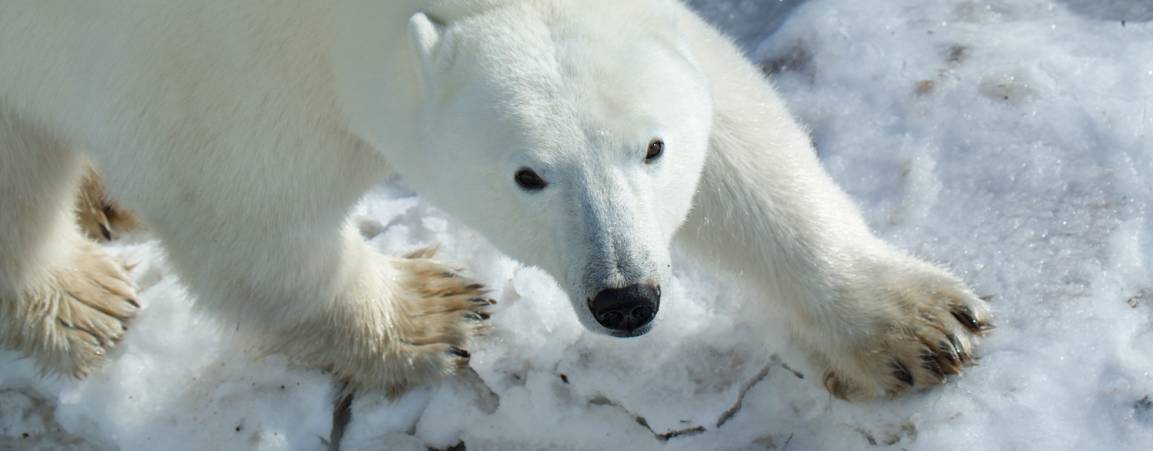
{"points": [[529, 180]]}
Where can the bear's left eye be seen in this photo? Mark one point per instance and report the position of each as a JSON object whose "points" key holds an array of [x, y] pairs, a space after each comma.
{"points": [[656, 148], [529, 180]]}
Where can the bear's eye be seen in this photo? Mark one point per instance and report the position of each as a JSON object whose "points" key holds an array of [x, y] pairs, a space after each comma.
{"points": [[529, 180], [656, 148]]}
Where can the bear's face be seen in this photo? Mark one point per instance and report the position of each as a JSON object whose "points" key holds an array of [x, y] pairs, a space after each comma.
{"points": [[572, 140]]}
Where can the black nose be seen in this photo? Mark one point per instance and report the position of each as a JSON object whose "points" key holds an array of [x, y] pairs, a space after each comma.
{"points": [[627, 310]]}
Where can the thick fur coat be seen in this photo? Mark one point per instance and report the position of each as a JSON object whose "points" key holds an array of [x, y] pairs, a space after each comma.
{"points": [[242, 132]]}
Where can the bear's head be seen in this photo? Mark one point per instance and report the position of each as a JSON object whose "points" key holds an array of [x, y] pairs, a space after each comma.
{"points": [[572, 134]]}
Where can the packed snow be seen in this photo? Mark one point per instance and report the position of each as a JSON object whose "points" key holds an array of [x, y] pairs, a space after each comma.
{"points": [[1007, 139]]}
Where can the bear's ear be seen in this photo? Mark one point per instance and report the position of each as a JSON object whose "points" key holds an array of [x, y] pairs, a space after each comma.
{"points": [[425, 36]]}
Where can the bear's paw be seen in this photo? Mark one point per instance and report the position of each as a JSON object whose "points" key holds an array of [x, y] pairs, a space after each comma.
{"points": [[920, 328], [71, 323]]}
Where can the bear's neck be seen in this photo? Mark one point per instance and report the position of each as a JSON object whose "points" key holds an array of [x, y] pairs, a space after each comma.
{"points": [[375, 68], [446, 11]]}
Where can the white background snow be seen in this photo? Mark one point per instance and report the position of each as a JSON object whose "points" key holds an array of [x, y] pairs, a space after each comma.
{"points": [[1011, 140]]}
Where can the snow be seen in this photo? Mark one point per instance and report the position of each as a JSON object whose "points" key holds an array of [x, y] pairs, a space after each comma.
{"points": [[1007, 139]]}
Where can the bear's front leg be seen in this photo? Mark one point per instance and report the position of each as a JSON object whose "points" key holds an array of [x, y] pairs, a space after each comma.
{"points": [[63, 302], [401, 322], [877, 321], [378, 322]]}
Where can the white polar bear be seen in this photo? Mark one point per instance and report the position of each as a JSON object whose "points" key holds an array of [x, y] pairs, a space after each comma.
{"points": [[578, 136]]}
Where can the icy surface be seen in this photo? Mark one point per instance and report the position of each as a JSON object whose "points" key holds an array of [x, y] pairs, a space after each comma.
{"points": [[1008, 139]]}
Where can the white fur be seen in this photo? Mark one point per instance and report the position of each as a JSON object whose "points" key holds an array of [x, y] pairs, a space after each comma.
{"points": [[243, 131]]}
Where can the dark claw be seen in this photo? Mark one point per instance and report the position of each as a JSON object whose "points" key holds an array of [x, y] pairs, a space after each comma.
{"points": [[930, 363], [474, 286], [482, 301], [107, 234], [960, 349], [459, 352], [134, 302], [835, 386], [902, 373], [950, 353], [965, 315], [477, 316]]}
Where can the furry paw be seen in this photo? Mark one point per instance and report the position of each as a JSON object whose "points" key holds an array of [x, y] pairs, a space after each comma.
{"points": [[69, 325], [430, 317], [920, 329], [441, 312]]}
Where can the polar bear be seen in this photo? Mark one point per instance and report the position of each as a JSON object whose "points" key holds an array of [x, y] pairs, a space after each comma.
{"points": [[583, 137]]}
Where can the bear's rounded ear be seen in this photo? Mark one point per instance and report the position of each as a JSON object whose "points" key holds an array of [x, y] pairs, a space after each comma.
{"points": [[425, 35]]}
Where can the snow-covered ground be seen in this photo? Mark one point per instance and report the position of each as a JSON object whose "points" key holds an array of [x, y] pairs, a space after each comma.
{"points": [[1009, 139]]}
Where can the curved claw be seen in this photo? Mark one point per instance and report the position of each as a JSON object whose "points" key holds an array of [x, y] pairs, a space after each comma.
{"points": [[901, 372], [459, 352]]}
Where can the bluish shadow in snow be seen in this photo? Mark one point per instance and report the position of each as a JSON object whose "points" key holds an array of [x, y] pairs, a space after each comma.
{"points": [[1127, 10], [746, 21]]}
